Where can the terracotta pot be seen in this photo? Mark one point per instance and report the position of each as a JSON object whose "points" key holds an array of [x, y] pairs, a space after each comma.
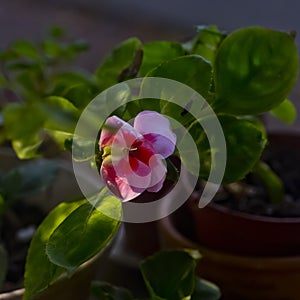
{"points": [[233, 232], [239, 277]]}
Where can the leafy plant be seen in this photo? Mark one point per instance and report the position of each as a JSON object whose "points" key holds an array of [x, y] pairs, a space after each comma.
{"points": [[168, 275], [241, 75]]}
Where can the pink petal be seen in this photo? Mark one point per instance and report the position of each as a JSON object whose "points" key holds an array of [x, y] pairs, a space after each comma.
{"points": [[158, 173], [119, 133], [118, 186], [156, 128]]}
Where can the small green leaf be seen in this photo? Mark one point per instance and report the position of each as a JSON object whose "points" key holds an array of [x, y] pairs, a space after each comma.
{"points": [[35, 282], [255, 69], [3, 206], [106, 291], [3, 264], [88, 230], [121, 58], [169, 275], [157, 52], [27, 147], [56, 32], [26, 49], [285, 111], [206, 290], [207, 42]]}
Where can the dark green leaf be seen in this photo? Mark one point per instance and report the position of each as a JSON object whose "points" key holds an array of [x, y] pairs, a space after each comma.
{"points": [[3, 206], [157, 52], [205, 290], [106, 291], [88, 230], [29, 178], [121, 58], [244, 142], [255, 69], [285, 111], [170, 275], [35, 282], [56, 32], [191, 70]]}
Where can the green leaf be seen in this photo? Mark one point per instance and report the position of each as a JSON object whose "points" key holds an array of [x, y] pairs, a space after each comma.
{"points": [[206, 290], [62, 115], [169, 275], [27, 148], [157, 52], [26, 49], [22, 121], [29, 178], [120, 59], [3, 264], [106, 291], [285, 111], [35, 282], [78, 88], [191, 70], [88, 230], [255, 69], [245, 142], [56, 32], [207, 42], [3, 206]]}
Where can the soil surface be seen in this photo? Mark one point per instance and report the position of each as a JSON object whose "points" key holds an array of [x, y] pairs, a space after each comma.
{"points": [[251, 195]]}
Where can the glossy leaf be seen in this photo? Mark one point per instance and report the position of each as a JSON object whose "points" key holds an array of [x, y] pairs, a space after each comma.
{"points": [[3, 264], [157, 52], [35, 282], [244, 142], [121, 58], [88, 231], [285, 111], [169, 275], [205, 290], [106, 291], [255, 69], [191, 70]]}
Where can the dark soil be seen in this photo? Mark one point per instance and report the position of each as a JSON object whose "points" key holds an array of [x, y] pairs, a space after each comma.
{"points": [[250, 196], [19, 224]]}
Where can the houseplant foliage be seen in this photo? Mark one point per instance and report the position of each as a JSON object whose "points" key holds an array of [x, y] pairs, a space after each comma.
{"points": [[241, 75], [164, 279]]}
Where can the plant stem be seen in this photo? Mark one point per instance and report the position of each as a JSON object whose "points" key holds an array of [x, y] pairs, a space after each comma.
{"points": [[270, 180]]}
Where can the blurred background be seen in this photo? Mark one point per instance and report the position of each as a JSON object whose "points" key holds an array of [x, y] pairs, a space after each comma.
{"points": [[104, 23]]}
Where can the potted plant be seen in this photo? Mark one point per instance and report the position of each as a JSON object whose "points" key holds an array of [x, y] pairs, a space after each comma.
{"points": [[211, 89]]}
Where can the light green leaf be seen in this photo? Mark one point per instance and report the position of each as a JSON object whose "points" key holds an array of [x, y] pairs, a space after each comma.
{"points": [[27, 148], [35, 282], [255, 69], [206, 290], [169, 275], [106, 291], [285, 111], [88, 230], [157, 52], [119, 60], [207, 42]]}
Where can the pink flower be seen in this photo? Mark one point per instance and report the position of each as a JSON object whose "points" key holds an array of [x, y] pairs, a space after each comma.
{"points": [[133, 157]]}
